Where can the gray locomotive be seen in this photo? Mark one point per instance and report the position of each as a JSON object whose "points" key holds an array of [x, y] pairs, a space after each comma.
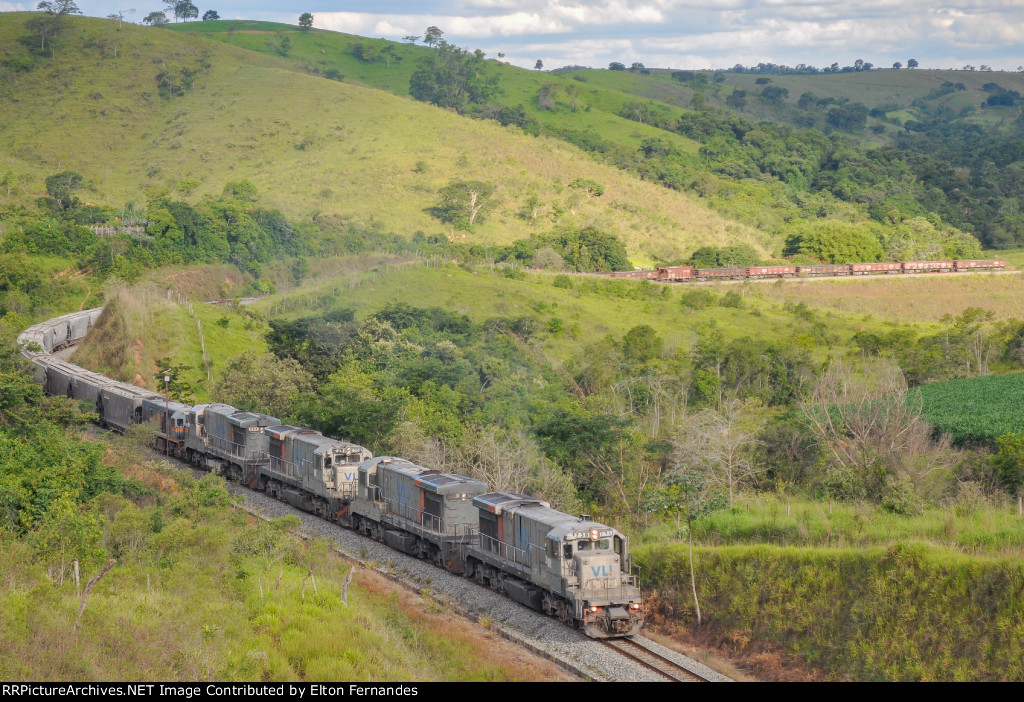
{"points": [[572, 568]]}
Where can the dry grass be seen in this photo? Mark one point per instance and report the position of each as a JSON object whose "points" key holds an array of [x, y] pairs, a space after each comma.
{"points": [[137, 324], [313, 145], [909, 299]]}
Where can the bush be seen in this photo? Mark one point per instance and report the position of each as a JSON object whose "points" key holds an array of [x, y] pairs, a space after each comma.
{"points": [[902, 498], [731, 299], [698, 299]]}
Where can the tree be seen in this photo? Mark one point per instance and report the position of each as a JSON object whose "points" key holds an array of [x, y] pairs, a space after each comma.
{"points": [[912, 63], [59, 7], [156, 19], [616, 66], [539, 65], [546, 96], [62, 186], [573, 92], [432, 36], [453, 78], [282, 46], [365, 51], [210, 15], [263, 383], [306, 21], [897, 65], [637, 66], [410, 38], [641, 344], [587, 185], [721, 442], [51, 23], [774, 93], [182, 9], [462, 203], [687, 493], [872, 430]]}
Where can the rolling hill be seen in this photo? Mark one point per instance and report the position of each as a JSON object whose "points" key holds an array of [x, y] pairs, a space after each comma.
{"points": [[141, 112]]}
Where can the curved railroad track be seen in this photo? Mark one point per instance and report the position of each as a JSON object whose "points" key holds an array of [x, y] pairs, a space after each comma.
{"points": [[639, 653]]}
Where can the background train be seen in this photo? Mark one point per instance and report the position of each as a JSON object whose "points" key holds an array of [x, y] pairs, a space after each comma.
{"points": [[572, 568], [682, 274]]}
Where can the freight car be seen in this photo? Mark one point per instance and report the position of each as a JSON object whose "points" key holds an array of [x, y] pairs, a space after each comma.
{"points": [[573, 568], [673, 274]]}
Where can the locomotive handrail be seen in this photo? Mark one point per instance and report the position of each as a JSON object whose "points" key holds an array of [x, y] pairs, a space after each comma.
{"points": [[501, 551], [236, 450], [422, 519]]}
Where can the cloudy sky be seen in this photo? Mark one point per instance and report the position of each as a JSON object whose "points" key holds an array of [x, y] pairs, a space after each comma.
{"points": [[667, 33]]}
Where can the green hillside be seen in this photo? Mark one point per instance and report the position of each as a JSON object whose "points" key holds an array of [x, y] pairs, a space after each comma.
{"points": [[308, 143], [768, 149]]}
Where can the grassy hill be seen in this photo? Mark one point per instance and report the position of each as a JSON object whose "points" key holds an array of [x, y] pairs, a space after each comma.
{"points": [[309, 144]]}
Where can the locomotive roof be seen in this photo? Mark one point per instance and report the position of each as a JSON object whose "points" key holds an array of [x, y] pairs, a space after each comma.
{"points": [[427, 478], [496, 502], [280, 432], [561, 526], [242, 418]]}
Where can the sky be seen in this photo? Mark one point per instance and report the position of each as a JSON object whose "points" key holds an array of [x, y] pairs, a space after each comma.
{"points": [[665, 33]]}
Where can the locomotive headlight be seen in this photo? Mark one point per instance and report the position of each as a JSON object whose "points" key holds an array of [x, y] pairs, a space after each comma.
{"points": [[635, 605], [595, 609], [593, 534]]}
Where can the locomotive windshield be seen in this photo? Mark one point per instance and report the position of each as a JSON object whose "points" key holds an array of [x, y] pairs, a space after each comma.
{"points": [[600, 545]]}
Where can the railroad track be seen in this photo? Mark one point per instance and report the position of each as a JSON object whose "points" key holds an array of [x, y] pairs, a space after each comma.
{"points": [[635, 651]]}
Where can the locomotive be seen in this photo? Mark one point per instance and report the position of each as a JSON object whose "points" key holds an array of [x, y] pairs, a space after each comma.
{"points": [[572, 568], [682, 274]]}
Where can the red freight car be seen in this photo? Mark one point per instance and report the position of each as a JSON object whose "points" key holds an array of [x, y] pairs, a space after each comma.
{"points": [[825, 269], [978, 265], [719, 273], [671, 273], [927, 266], [880, 267], [634, 275], [770, 271]]}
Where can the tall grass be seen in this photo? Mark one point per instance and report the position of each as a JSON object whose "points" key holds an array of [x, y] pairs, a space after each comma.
{"points": [[201, 592], [973, 529], [908, 299], [903, 612]]}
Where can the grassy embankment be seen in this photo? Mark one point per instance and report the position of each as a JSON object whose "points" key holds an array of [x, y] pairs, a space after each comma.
{"points": [[202, 592], [854, 591], [902, 612], [319, 145]]}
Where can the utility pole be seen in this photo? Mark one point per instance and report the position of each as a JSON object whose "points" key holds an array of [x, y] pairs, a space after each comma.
{"points": [[167, 415]]}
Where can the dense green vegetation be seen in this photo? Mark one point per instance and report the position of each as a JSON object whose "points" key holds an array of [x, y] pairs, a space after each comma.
{"points": [[400, 237], [201, 591], [976, 409]]}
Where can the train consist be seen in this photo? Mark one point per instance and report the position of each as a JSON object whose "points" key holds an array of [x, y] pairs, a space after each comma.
{"points": [[683, 274], [572, 568]]}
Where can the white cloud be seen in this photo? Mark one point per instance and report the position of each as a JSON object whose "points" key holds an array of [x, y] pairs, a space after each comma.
{"points": [[13, 7]]}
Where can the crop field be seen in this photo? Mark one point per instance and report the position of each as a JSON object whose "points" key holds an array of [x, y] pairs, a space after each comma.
{"points": [[976, 409]]}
